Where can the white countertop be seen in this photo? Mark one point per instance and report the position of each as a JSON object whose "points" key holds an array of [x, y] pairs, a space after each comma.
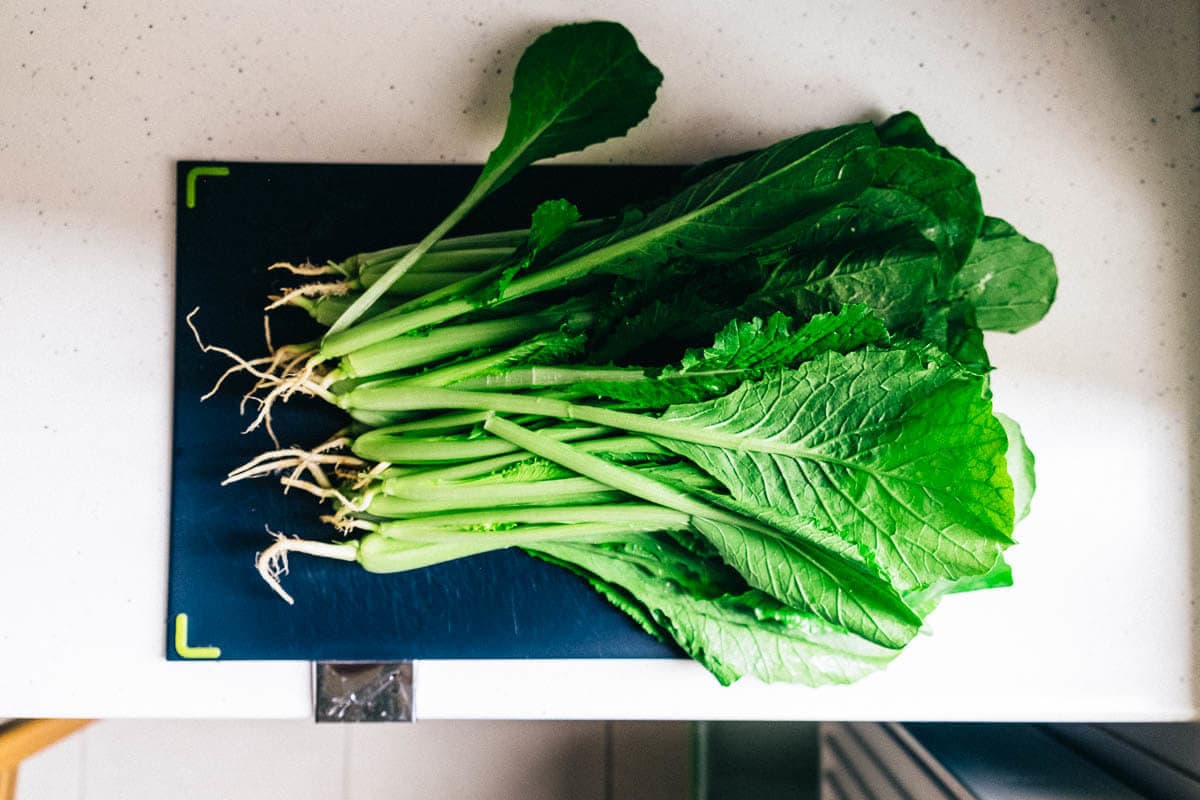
{"points": [[1078, 121]]}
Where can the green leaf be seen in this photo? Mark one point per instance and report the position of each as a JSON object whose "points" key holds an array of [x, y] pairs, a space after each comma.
{"points": [[741, 351], [1020, 467], [955, 201], [575, 86], [1008, 280], [894, 276], [758, 343], [653, 317], [925, 600], [945, 186], [886, 449], [698, 172], [797, 573], [551, 220], [874, 213], [952, 329], [531, 469], [906, 130], [807, 567], [869, 249], [964, 342], [803, 529], [742, 203], [803, 569], [732, 630]]}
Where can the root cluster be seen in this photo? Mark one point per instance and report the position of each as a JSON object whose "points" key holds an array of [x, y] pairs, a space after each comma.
{"points": [[282, 373]]}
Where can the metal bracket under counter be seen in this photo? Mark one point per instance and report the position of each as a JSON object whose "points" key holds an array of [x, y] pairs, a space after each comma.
{"points": [[357, 691]]}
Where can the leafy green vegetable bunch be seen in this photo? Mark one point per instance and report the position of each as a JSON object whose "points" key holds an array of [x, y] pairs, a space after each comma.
{"points": [[754, 414]]}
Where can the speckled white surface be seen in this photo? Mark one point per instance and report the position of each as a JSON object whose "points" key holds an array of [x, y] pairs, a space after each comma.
{"points": [[1077, 117]]}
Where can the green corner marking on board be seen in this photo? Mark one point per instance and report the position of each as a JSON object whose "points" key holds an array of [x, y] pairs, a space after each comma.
{"points": [[184, 649], [196, 172]]}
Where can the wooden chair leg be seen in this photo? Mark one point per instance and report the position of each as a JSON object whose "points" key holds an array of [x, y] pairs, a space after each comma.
{"points": [[8, 784], [22, 738]]}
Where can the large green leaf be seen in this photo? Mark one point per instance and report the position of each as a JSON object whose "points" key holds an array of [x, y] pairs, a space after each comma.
{"points": [[815, 570], [945, 186], [733, 631], [1008, 280], [575, 86], [894, 276], [888, 450], [741, 351], [905, 129], [875, 213], [655, 315], [777, 342], [805, 566], [879, 248], [793, 571], [742, 203]]}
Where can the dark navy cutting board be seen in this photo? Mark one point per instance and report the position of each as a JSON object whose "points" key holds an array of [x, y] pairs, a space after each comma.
{"points": [[234, 219]]}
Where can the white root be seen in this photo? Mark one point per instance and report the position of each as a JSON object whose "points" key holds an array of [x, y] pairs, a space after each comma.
{"points": [[278, 375], [371, 474], [329, 493], [281, 368], [348, 525], [308, 290], [314, 471], [311, 464], [306, 269], [241, 365], [272, 563], [267, 333], [301, 351], [279, 460], [303, 382], [324, 492], [283, 389], [301, 460], [345, 475], [335, 442]]}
